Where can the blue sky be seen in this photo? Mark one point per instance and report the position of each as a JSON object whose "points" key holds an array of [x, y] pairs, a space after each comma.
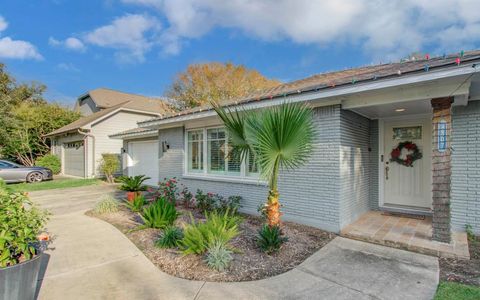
{"points": [[139, 45]]}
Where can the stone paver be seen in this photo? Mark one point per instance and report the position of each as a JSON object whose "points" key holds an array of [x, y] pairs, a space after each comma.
{"points": [[405, 233], [93, 260]]}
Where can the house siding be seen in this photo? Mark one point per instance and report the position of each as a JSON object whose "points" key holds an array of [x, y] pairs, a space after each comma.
{"points": [[309, 194], [465, 193], [87, 107], [354, 166], [113, 124]]}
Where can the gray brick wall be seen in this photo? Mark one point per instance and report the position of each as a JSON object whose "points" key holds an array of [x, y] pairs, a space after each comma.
{"points": [[310, 194], [465, 195], [373, 165], [354, 166]]}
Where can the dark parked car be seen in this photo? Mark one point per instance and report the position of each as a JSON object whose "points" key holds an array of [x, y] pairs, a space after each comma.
{"points": [[12, 172]]}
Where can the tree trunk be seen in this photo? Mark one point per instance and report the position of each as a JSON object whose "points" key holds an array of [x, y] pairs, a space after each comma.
{"points": [[273, 209], [273, 205]]}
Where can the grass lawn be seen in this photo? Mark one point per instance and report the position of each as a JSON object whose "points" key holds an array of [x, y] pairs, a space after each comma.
{"points": [[457, 291], [52, 184]]}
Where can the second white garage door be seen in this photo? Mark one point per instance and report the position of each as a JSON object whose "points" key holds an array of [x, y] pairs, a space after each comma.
{"points": [[144, 160]]}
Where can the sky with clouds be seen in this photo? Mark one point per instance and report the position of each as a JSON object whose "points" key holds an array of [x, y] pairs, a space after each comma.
{"points": [[139, 45]]}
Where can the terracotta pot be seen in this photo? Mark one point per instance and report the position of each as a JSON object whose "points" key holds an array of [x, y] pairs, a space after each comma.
{"points": [[132, 195]]}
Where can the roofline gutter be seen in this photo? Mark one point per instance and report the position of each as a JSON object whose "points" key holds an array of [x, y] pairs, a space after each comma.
{"points": [[321, 94], [121, 136]]}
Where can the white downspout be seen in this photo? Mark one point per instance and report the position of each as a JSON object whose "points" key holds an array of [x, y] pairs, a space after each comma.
{"points": [[85, 142]]}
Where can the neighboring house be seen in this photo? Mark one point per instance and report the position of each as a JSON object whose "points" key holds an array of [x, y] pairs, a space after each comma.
{"points": [[361, 115], [80, 144]]}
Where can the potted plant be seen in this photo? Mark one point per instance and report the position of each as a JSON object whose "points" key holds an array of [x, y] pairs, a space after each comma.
{"points": [[21, 244], [133, 185]]}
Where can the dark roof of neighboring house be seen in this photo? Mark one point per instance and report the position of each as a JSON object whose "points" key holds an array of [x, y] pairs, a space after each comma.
{"points": [[109, 101], [105, 98], [332, 80]]}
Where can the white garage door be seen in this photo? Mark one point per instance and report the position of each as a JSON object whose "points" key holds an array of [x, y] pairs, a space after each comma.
{"points": [[144, 160], [74, 159]]}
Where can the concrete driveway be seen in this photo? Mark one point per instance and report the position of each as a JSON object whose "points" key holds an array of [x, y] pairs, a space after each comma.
{"points": [[93, 260]]}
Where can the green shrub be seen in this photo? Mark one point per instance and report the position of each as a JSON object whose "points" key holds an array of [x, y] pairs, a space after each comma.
{"points": [[231, 203], [270, 238], [470, 233], [168, 189], [133, 183], [209, 202], [205, 202], [217, 228], [218, 257], [50, 161], [107, 205], [109, 164], [186, 197], [137, 204], [20, 223], [170, 237], [159, 214]]}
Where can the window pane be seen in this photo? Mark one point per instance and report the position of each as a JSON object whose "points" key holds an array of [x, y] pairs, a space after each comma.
{"points": [[216, 150], [234, 160], [195, 151], [252, 165]]}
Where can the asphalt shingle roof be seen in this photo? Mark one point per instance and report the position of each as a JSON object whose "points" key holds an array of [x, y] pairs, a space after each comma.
{"points": [[332, 80], [109, 101]]}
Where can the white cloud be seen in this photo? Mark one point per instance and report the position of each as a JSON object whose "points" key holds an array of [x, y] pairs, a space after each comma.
{"points": [[16, 49], [68, 67], [70, 43], [3, 24], [383, 28], [131, 35]]}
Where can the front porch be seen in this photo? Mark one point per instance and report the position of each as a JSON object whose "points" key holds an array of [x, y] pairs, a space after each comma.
{"points": [[405, 232]]}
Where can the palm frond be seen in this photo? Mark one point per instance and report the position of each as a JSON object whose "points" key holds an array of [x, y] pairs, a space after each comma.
{"points": [[280, 137], [284, 138], [234, 122]]}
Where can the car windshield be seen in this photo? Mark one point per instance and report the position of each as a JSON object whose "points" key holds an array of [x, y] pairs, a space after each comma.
{"points": [[10, 163]]}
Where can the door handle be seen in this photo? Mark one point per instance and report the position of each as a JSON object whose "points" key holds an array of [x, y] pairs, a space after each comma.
{"points": [[386, 172]]}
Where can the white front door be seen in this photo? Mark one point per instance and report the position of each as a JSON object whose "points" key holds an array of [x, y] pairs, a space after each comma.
{"points": [[408, 186]]}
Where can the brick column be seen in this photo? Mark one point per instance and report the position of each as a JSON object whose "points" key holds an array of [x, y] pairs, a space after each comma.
{"points": [[441, 159]]}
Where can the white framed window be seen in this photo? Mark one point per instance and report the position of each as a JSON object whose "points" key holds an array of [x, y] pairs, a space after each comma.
{"points": [[195, 151], [211, 154]]}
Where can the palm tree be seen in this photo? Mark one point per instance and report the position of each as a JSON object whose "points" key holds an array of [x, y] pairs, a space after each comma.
{"points": [[278, 138]]}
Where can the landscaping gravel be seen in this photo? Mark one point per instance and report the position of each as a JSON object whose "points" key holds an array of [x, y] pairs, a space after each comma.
{"points": [[462, 270], [249, 262]]}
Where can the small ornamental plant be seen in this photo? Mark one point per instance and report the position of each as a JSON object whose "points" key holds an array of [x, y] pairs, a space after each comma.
{"points": [[187, 198], [270, 238], [22, 235], [168, 189]]}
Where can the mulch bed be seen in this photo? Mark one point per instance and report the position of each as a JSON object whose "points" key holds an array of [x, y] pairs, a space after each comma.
{"points": [[249, 262], [462, 270]]}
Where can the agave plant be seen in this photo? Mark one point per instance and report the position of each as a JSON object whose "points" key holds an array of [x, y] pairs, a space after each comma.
{"points": [[133, 183], [279, 138]]}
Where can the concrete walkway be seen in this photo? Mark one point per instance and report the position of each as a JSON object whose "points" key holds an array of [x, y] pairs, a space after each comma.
{"points": [[93, 260]]}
